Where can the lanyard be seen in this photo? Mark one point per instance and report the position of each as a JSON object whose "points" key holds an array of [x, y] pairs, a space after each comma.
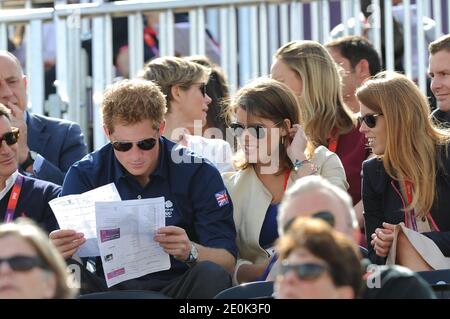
{"points": [[286, 178], [333, 140], [13, 199], [412, 218], [412, 222]]}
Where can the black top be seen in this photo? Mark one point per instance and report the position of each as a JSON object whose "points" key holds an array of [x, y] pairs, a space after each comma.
{"points": [[440, 117], [396, 282], [382, 203]]}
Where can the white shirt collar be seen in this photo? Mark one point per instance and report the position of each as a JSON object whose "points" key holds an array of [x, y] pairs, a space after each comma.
{"points": [[9, 183]]}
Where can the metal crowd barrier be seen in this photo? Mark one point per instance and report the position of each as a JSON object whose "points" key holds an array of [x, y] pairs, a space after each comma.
{"points": [[248, 32]]}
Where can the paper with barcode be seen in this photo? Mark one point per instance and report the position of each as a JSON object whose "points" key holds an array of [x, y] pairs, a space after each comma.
{"points": [[125, 232], [77, 212]]}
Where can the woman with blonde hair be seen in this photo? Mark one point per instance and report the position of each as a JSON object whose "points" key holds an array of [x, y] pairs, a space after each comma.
{"points": [[309, 71], [30, 266], [408, 181], [184, 83], [274, 153]]}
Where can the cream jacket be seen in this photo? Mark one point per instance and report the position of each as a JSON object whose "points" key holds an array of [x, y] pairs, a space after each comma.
{"points": [[251, 200]]}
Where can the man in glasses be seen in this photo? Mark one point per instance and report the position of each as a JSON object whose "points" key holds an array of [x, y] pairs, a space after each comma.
{"points": [[21, 196], [47, 146], [358, 60], [200, 233]]}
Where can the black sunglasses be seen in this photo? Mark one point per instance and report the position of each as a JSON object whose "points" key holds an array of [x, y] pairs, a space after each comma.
{"points": [[202, 87], [257, 131], [307, 271], [324, 215], [369, 119], [144, 145], [24, 263], [10, 137]]}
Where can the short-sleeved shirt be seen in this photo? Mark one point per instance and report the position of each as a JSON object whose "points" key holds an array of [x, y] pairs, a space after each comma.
{"points": [[195, 196]]}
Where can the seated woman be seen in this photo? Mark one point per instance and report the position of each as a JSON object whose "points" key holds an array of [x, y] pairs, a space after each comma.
{"points": [[408, 181], [218, 90], [184, 84], [30, 266], [275, 152], [317, 262], [311, 73], [20, 195]]}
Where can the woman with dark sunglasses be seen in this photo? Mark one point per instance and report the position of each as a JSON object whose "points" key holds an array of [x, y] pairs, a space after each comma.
{"points": [[317, 262], [274, 153], [30, 266], [21, 195], [184, 84], [406, 187]]}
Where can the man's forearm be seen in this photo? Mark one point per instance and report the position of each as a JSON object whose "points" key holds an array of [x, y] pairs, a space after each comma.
{"points": [[219, 256]]}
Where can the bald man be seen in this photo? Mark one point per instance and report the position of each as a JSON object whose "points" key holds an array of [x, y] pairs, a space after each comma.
{"points": [[47, 146]]}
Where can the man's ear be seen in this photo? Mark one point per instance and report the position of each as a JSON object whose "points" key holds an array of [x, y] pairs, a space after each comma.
{"points": [[362, 70], [25, 81], [162, 127], [107, 133]]}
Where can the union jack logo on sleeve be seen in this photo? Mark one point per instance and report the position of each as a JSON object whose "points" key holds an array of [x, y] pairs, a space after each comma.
{"points": [[222, 198]]}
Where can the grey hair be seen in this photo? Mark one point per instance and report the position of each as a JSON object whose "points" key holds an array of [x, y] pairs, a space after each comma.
{"points": [[309, 184]]}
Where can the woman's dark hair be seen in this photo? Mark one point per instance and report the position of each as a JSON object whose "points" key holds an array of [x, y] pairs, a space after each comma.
{"points": [[218, 90]]}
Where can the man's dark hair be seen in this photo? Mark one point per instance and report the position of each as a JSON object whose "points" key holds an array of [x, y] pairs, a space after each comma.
{"points": [[355, 48]]}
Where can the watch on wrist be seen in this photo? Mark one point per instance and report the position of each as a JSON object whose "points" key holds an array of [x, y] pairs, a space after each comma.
{"points": [[29, 161], [193, 255]]}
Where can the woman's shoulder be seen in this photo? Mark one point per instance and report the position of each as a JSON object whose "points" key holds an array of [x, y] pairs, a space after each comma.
{"points": [[321, 154], [234, 178], [373, 169]]}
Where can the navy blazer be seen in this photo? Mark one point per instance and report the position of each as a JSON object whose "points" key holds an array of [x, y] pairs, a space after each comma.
{"points": [[59, 142], [382, 203], [33, 203]]}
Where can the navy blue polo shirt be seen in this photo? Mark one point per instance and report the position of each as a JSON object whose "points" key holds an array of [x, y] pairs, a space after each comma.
{"points": [[195, 196]]}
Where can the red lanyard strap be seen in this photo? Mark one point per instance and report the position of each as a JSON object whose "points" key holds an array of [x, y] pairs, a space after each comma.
{"points": [[13, 199], [286, 178], [333, 140], [408, 191]]}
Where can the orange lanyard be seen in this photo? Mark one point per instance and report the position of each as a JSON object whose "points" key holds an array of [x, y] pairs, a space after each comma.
{"points": [[333, 140]]}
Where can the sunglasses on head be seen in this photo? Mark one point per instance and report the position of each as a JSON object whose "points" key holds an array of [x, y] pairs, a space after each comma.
{"points": [[10, 137], [24, 263], [369, 119], [307, 271], [144, 145]]}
